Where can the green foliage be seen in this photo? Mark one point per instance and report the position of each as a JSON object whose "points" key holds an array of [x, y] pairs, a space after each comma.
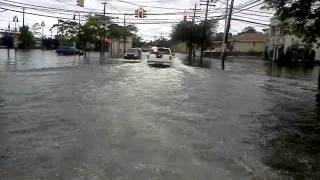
{"points": [[116, 31], [26, 37], [67, 29], [91, 30], [137, 41], [192, 33], [35, 29], [301, 17], [248, 29], [163, 42]]}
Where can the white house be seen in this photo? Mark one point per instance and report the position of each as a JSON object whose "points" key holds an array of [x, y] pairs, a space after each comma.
{"points": [[280, 41], [117, 46]]}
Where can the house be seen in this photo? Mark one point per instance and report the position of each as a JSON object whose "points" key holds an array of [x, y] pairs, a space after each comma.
{"points": [[116, 46], [250, 42], [282, 42]]}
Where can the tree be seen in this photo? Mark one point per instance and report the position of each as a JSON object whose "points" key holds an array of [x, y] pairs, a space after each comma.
{"points": [[301, 17], [162, 42], [117, 32], [91, 30], [249, 29], [67, 29], [137, 41], [36, 27], [26, 37], [192, 34], [187, 32]]}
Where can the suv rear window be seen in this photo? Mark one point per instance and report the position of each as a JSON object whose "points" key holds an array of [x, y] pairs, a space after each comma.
{"points": [[164, 51]]}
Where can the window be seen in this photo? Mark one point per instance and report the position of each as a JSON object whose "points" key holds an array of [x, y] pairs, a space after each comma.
{"points": [[278, 30], [273, 30], [254, 44]]}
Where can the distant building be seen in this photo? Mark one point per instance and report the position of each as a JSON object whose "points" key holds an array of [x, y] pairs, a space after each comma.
{"points": [[250, 42], [116, 46], [282, 42]]}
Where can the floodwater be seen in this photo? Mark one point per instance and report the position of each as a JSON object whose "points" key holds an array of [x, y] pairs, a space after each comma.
{"points": [[62, 118]]}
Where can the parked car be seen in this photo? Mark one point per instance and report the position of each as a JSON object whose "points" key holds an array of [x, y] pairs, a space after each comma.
{"points": [[163, 57], [68, 50], [133, 53]]}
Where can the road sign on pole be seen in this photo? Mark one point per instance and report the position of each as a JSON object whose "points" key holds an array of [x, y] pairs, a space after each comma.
{"points": [[80, 3], [15, 41]]}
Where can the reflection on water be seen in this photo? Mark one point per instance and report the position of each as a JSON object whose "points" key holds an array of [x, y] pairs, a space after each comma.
{"points": [[189, 123], [297, 71], [293, 141]]}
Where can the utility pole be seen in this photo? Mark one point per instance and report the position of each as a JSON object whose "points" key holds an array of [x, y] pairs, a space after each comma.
{"points": [[124, 37], [102, 48], [227, 35], [23, 16], [79, 27], [319, 80], [194, 21], [204, 31], [194, 13], [225, 27]]}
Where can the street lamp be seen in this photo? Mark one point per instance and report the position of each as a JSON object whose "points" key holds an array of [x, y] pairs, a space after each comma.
{"points": [[15, 20], [42, 26], [74, 18]]}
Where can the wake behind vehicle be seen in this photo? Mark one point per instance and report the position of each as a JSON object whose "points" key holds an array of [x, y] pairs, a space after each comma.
{"points": [[133, 53], [162, 57], [68, 50]]}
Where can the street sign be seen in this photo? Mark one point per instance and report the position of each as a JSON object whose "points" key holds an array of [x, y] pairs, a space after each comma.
{"points": [[80, 3], [15, 43]]}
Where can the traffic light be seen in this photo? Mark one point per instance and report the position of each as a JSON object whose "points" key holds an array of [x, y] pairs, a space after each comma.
{"points": [[144, 13], [80, 3], [140, 13]]}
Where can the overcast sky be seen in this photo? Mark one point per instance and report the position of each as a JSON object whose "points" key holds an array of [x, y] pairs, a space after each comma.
{"points": [[147, 31]]}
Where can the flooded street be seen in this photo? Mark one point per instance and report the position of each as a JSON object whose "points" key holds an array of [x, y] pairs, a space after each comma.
{"points": [[65, 119]]}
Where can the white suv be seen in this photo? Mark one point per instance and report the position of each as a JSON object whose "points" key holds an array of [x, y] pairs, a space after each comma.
{"points": [[163, 56]]}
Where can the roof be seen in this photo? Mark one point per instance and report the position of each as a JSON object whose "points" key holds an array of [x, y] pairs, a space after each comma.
{"points": [[251, 37]]}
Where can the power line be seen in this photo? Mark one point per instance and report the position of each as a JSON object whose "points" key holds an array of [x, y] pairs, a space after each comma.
{"points": [[58, 17], [250, 18], [58, 10], [252, 22], [39, 7], [254, 14], [240, 10], [140, 5]]}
